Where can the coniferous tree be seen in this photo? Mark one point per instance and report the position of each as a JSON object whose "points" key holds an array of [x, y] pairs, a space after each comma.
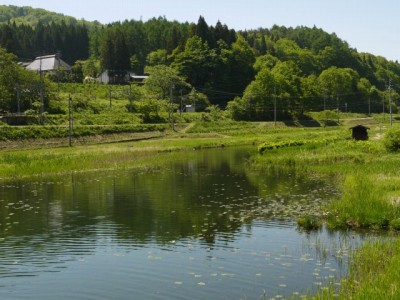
{"points": [[107, 51], [121, 61]]}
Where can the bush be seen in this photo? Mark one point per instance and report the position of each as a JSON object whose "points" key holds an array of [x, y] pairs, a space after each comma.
{"points": [[395, 224], [392, 140]]}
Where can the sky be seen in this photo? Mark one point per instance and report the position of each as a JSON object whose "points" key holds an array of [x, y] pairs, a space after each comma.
{"points": [[367, 25]]}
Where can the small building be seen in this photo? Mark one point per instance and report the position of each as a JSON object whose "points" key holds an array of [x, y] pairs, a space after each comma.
{"points": [[138, 78], [360, 132], [190, 108], [48, 64], [114, 77]]}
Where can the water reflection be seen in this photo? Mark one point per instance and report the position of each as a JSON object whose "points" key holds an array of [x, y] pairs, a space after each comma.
{"points": [[206, 221]]}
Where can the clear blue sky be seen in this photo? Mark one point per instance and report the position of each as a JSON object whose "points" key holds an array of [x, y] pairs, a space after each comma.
{"points": [[368, 25]]}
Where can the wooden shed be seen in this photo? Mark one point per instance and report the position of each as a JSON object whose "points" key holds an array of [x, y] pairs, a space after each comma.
{"points": [[360, 132]]}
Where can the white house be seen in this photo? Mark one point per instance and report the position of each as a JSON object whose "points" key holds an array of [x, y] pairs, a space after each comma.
{"points": [[109, 76]]}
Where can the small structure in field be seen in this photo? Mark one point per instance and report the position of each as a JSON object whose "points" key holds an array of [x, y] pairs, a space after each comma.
{"points": [[360, 132]]}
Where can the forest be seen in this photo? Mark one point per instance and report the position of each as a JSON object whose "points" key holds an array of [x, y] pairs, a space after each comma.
{"points": [[254, 74]]}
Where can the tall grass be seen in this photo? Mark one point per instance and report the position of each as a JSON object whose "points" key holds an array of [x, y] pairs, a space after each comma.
{"points": [[364, 204], [374, 274]]}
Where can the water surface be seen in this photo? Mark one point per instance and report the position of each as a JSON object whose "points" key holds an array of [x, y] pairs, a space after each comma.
{"points": [[205, 227]]}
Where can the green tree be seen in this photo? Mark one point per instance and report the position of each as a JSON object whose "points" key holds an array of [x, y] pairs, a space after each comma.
{"points": [[241, 64], [107, 51], [19, 88], [203, 31], [161, 80], [339, 85], [364, 88], [288, 50], [310, 93], [158, 57], [257, 102], [199, 100], [91, 67], [196, 62], [265, 61], [121, 57], [288, 87]]}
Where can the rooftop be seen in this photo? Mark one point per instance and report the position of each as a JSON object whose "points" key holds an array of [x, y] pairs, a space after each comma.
{"points": [[47, 63]]}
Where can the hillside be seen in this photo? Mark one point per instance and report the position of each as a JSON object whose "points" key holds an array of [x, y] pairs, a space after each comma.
{"points": [[30, 16], [255, 74]]}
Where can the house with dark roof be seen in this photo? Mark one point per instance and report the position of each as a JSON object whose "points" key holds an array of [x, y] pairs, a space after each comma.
{"points": [[48, 64]]}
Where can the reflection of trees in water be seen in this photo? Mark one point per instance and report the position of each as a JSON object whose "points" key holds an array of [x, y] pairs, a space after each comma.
{"points": [[188, 200], [207, 195]]}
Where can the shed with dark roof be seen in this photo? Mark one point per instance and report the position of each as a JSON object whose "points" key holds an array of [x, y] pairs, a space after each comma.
{"points": [[360, 132]]}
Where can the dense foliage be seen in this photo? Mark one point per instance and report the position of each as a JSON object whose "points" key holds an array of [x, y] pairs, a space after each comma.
{"points": [[392, 140], [20, 90], [260, 74]]}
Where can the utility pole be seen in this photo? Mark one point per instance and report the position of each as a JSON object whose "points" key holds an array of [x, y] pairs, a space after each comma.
{"points": [[18, 99], [109, 91], [390, 103], [171, 107], [41, 92], [70, 132], [130, 98], [180, 111], [274, 106], [383, 108], [194, 97], [337, 103], [369, 104]]}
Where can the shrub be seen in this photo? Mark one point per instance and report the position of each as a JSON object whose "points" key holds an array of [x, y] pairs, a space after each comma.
{"points": [[395, 224], [392, 140]]}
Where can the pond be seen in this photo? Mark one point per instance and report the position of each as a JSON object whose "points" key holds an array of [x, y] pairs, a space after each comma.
{"points": [[207, 226]]}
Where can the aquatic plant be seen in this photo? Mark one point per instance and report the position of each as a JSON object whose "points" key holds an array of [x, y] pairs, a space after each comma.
{"points": [[309, 222]]}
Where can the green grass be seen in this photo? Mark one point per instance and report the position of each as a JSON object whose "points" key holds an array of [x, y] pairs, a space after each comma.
{"points": [[365, 204], [374, 274]]}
